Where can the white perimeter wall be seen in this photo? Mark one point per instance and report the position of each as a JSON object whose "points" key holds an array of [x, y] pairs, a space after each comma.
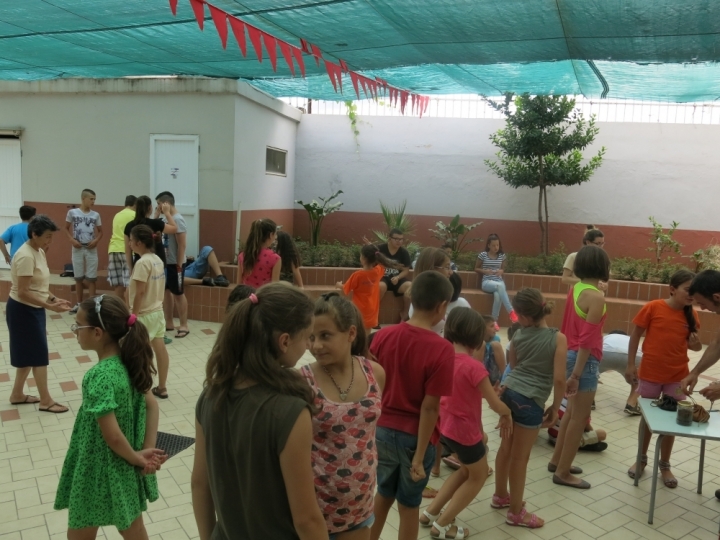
{"points": [[669, 171]]}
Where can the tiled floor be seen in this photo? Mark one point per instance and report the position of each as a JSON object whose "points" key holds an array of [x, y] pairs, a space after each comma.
{"points": [[33, 446]]}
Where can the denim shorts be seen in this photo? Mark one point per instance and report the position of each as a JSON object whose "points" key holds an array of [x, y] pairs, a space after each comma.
{"points": [[395, 453], [199, 267], [367, 523], [591, 372], [525, 411]]}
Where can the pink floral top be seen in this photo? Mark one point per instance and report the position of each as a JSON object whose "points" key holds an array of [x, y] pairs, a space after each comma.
{"points": [[344, 457], [262, 271]]}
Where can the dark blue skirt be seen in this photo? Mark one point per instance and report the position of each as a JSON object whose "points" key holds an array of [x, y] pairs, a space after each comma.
{"points": [[28, 338]]}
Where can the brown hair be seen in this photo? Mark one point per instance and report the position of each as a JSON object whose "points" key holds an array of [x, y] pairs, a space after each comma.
{"points": [[591, 234], [144, 235], [288, 252], [143, 206], [466, 327], [530, 303], [677, 279], [429, 290], [592, 262], [344, 314], [239, 293], [430, 258], [373, 256], [135, 351], [260, 231], [247, 344]]}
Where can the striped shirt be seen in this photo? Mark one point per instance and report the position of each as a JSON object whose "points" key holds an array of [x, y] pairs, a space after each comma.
{"points": [[491, 264]]}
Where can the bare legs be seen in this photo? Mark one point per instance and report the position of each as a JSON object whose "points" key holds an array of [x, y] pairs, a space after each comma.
{"points": [[136, 531], [572, 426], [409, 525], [40, 373], [169, 307], [163, 362], [666, 447], [511, 466]]}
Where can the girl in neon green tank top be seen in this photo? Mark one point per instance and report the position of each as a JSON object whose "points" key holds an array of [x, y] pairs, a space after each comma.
{"points": [[582, 325]]}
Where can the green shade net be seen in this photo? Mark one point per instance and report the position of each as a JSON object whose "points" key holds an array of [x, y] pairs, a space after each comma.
{"points": [[634, 49]]}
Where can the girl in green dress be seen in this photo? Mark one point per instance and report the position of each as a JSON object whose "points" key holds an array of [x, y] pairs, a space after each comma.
{"points": [[108, 475]]}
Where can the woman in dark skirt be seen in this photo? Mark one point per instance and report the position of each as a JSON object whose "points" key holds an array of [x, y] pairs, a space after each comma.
{"points": [[25, 313]]}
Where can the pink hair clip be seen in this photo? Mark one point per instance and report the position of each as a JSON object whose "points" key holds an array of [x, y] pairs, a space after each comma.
{"points": [[253, 298], [131, 319]]}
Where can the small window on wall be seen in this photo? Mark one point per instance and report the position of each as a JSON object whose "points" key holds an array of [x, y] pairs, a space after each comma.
{"points": [[275, 160]]}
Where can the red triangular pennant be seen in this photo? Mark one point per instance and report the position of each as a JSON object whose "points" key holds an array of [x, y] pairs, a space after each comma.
{"points": [[219, 17], [414, 100], [338, 76], [354, 79], [404, 95], [305, 46], [173, 6], [344, 66], [255, 38], [365, 88], [287, 55], [271, 48], [299, 59], [199, 8], [317, 53], [238, 28], [329, 67]]}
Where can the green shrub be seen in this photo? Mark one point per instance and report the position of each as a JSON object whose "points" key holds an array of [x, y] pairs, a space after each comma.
{"points": [[707, 258]]}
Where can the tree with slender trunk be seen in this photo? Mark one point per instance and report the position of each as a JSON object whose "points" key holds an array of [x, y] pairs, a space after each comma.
{"points": [[541, 146]]}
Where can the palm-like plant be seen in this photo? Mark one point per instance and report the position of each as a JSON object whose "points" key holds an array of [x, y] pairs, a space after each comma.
{"points": [[396, 218]]}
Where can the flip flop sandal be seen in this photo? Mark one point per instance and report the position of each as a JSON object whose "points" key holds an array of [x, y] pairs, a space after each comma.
{"points": [[518, 520], [26, 400], [573, 469], [504, 502], [50, 409], [181, 334], [560, 482], [460, 533], [643, 462], [160, 394], [671, 483]]}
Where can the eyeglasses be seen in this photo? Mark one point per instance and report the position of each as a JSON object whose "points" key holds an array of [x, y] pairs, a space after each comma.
{"points": [[74, 328], [599, 244], [446, 268], [396, 238], [98, 307]]}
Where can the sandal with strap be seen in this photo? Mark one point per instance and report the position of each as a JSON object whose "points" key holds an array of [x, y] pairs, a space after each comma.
{"points": [[501, 502], [460, 532], [518, 520], [160, 392], [643, 462], [669, 482], [430, 519]]}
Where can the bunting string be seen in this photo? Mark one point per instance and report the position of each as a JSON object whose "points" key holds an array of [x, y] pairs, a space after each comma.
{"points": [[292, 55]]}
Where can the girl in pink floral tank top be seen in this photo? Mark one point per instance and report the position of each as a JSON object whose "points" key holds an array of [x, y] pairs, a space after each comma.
{"points": [[348, 387]]}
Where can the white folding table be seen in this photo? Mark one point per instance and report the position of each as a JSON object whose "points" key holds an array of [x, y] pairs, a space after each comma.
{"points": [[663, 424]]}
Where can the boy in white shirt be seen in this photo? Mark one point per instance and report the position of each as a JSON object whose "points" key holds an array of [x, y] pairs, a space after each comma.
{"points": [[84, 228]]}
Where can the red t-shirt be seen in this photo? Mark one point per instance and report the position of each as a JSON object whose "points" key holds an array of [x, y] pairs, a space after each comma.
{"points": [[365, 288], [461, 413], [417, 363], [262, 271], [665, 348]]}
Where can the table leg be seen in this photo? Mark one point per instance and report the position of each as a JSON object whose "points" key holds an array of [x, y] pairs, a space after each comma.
{"points": [[653, 489], [702, 465], [641, 435]]}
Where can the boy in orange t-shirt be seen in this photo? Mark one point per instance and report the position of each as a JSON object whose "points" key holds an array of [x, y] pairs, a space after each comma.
{"points": [[365, 284]]}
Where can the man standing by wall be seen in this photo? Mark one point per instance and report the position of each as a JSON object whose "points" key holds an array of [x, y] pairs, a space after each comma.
{"points": [[118, 271], [174, 268]]}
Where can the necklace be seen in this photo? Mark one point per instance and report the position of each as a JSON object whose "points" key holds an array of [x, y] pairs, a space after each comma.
{"points": [[343, 395]]}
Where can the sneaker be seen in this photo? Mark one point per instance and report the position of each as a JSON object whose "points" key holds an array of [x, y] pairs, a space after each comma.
{"points": [[208, 282], [597, 447], [592, 407], [497, 328], [513, 316], [167, 340], [632, 411], [75, 309], [221, 281]]}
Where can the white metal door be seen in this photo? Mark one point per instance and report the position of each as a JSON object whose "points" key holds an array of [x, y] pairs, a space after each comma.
{"points": [[174, 168], [10, 185]]}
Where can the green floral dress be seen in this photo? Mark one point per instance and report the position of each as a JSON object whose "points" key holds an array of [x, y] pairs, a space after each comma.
{"points": [[98, 486]]}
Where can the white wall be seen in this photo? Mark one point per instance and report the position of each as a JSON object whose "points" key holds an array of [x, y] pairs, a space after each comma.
{"points": [[437, 164]]}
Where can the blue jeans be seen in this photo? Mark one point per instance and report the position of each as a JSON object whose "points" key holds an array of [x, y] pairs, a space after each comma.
{"points": [[525, 412], [497, 289], [199, 267], [591, 372]]}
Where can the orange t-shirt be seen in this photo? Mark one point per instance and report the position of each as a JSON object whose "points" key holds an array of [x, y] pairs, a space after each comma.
{"points": [[665, 358], [365, 286]]}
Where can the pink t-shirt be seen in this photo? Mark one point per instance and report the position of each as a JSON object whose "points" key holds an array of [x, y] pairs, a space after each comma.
{"points": [[461, 413], [262, 271]]}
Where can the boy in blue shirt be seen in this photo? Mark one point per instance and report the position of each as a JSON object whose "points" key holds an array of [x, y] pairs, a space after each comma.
{"points": [[16, 235]]}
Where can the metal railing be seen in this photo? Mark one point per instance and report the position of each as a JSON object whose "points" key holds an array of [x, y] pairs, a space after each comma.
{"points": [[472, 106]]}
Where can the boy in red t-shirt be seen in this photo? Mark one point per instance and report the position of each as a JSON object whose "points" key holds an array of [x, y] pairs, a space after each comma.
{"points": [[419, 367]]}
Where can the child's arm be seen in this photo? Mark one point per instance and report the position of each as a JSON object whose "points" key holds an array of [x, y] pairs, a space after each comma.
{"points": [[499, 353], [118, 443], [182, 244], [505, 422], [128, 254], [694, 343], [429, 412], [170, 225], [68, 231], [98, 236], [559, 384], [297, 276], [152, 421], [379, 374], [276, 271], [512, 356], [4, 251], [140, 287], [631, 375], [202, 501]]}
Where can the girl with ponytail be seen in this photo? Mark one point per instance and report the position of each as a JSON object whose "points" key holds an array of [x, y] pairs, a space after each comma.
{"points": [[253, 424], [670, 327], [258, 264], [109, 470], [143, 209]]}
